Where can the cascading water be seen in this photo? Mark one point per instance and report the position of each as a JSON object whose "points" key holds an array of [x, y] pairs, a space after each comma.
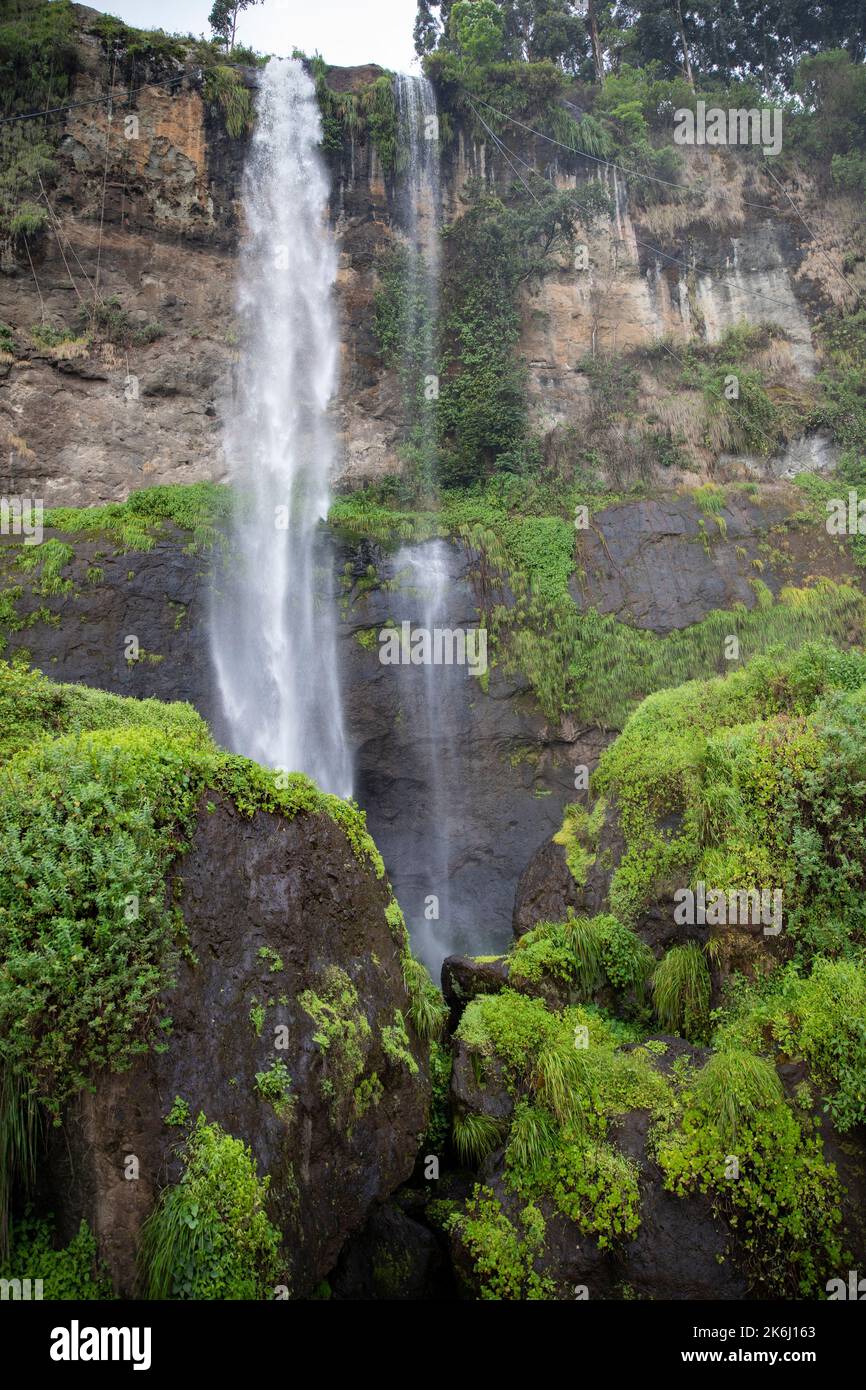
{"points": [[420, 212], [273, 645], [426, 895], [431, 699]]}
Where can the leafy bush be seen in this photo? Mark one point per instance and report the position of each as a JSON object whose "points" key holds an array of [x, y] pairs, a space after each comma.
{"points": [[819, 1018], [209, 1236], [503, 1255], [274, 1085], [71, 1273]]}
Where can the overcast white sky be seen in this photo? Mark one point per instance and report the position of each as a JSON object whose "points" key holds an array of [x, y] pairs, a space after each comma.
{"points": [[343, 31]]}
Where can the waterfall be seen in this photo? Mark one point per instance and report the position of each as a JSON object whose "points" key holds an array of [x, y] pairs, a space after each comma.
{"points": [[419, 141], [432, 699], [419, 209], [431, 692], [273, 610]]}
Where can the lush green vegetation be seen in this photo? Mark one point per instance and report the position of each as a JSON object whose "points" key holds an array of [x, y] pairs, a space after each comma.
{"points": [[72, 1272], [585, 954], [816, 1017], [490, 251], [679, 39], [564, 1095], [369, 114], [52, 569], [209, 1236], [134, 523], [763, 774], [753, 780], [38, 61], [763, 1164]]}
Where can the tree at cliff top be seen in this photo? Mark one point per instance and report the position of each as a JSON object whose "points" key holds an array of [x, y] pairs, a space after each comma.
{"points": [[223, 19], [527, 30]]}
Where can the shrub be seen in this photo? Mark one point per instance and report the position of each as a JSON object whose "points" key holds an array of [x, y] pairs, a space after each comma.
{"points": [[71, 1273], [209, 1236], [503, 1255]]}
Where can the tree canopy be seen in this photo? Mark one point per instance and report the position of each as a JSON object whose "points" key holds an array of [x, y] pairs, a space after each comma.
{"points": [[762, 40]]}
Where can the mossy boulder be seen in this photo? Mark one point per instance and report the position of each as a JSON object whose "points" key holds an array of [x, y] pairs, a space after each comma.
{"points": [[187, 934]]}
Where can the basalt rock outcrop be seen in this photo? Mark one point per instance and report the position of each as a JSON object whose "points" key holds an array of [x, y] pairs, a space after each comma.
{"points": [[295, 890]]}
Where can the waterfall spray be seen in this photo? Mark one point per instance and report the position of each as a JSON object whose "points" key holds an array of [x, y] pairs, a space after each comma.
{"points": [[273, 643]]}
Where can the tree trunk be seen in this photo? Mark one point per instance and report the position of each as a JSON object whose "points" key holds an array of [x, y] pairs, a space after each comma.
{"points": [[687, 62], [597, 55]]}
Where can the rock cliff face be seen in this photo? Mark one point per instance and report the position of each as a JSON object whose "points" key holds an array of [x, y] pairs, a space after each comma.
{"points": [[145, 208]]}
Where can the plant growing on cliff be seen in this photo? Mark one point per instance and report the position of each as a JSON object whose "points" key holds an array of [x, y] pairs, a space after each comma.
{"points": [[490, 251], [38, 61], [732, 1087], [209, 1235], [225, 89], [98, 798], [816, 1018], [275, 1086], [475, 1136], [342, 1034], [584, 953], [681, 991], [782, 1198], [368, 114], [106, 320], [198, 508], [503, 1254]]}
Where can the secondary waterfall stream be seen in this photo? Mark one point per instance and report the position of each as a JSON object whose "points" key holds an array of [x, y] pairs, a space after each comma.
{"points": [[419, 209], [273, 634], [427, 894]]}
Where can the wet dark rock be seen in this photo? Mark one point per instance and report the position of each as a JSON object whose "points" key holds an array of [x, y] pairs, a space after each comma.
{"points": [[478, 1084], [545, 890], [682, 1250], [464, 977], [660, 564], [394, 1257]]}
